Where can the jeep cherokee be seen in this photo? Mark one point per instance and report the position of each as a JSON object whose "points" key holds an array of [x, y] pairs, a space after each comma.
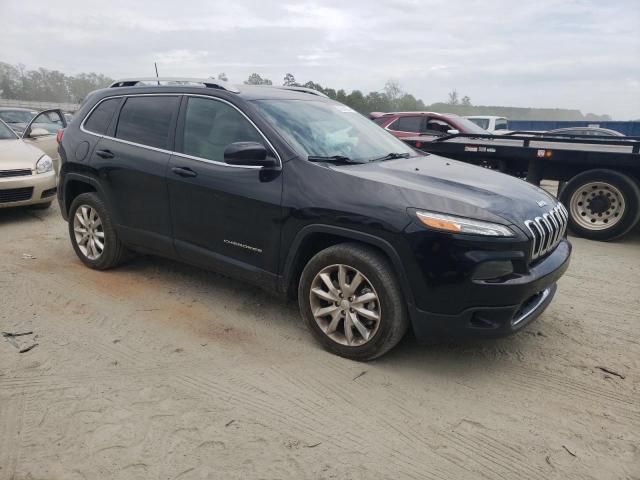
{"points": [[301, 195]]}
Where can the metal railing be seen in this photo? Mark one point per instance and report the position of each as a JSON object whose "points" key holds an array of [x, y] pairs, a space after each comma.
{"points": [[39, 106]]}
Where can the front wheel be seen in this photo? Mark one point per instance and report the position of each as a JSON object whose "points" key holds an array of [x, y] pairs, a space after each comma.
{"points": [[602, 204], [350, 299]]}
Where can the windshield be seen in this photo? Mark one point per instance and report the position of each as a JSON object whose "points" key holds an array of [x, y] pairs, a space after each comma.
{"points": [[467, 126], [6, 133], [481, 122], [322, 129], [17, 116]]}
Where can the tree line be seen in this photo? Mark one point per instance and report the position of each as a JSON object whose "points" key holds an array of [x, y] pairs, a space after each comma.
{"points": [[16, 82]]}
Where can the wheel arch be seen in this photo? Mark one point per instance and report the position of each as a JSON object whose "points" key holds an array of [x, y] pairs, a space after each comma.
{"points": [[74, 185], [314, 238]]}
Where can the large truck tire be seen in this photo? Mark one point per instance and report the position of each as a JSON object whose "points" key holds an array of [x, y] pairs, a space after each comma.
{"points": [[602, 204]]}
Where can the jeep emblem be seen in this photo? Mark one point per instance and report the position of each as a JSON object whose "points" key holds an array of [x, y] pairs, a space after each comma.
{"points": [[541, 203]]}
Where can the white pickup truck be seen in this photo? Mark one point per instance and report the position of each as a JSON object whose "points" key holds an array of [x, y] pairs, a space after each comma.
{"points": [[491, 123]]}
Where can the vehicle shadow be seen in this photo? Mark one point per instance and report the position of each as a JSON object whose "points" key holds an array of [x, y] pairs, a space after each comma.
{"points": [[14, 215], [443, 356]]}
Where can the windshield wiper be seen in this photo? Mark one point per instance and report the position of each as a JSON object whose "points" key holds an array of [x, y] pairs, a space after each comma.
{"points": [[333, 159], [392, 156]]}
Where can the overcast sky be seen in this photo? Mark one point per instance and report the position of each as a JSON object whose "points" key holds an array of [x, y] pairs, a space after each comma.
{"points": [[582, 54]]}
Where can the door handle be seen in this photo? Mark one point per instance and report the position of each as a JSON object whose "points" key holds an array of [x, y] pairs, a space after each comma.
{"points": [[105, 153], [184, 172]]}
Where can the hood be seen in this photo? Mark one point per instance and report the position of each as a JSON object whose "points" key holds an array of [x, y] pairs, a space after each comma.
{"points": [[442, 185], [16, 154]]}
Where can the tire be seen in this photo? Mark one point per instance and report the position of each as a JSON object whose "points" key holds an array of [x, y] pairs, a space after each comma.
{"points": [[602, 204], [113, 252], [377, 278], [41, 206]]}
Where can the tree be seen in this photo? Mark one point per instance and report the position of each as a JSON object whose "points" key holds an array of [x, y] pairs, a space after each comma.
{"points": [[466, 101], [255, 79], [223, 76], [453, 97], [290, 80], [394, 93], [314, 86]]}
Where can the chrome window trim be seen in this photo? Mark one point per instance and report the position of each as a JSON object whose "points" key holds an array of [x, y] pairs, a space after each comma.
{"points": [[173, 152]]}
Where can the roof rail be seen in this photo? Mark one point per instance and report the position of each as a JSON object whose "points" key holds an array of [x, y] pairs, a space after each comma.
{"points": [[206, 82], [302, 90]]}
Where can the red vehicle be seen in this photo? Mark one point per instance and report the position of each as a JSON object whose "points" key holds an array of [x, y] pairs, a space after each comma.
{"points": [[428, 124]]}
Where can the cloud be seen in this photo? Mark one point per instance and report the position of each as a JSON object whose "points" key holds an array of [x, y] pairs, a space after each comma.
{"points": [[549, 53]]}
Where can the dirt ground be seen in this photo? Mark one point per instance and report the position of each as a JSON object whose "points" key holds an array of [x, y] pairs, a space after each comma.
{"points": [[158, 370]]}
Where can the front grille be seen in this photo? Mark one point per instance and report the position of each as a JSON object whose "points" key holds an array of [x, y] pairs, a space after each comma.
{"points": [[547, 230], [15, 194], [15, 173]]}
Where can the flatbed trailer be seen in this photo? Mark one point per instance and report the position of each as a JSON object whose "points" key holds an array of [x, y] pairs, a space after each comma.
{"points": [[599, 175]]}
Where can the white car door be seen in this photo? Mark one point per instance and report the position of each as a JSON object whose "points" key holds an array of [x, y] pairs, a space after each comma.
{"points": [[41, 133]]}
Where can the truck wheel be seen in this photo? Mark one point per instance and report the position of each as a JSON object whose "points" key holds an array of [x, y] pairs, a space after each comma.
{"points": [[602, 204], [92, 233], [350, 299]]}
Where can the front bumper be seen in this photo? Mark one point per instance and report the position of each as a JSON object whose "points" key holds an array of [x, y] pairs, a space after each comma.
{"points": [[28, 190], [523, 298]]}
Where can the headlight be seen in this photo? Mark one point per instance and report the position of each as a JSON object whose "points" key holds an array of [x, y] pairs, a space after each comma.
{"points": [[44, 165], [450, 223]]}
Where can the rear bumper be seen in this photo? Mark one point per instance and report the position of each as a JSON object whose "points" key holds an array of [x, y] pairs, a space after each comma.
{"points": [[27, 190], [524, 297]]}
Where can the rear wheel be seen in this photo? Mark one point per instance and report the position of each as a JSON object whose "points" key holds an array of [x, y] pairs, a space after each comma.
{"points": [[92, 233], [350, 300], [602, 204]]}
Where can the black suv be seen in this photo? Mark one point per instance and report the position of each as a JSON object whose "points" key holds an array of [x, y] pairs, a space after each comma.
{"points": [[301, 195]]}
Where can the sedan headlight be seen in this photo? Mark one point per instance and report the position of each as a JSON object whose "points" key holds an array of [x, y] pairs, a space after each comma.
{"points": [[44, 165], [453, 224]]}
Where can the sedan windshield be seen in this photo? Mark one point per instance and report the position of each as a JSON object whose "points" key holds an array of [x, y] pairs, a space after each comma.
{"points": [[320, 129], [6, 133]]}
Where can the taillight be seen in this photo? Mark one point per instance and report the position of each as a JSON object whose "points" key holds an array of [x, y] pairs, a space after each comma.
{"points": [[59, 135], [418, 144]]}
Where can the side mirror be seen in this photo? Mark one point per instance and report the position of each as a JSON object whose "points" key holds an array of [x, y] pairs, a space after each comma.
{"points": [[248, 153], [38, 132], [453, 131]]}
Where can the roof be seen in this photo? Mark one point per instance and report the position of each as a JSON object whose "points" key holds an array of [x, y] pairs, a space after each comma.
{"points": [[487, 117], [211, 84], [391, 114]]}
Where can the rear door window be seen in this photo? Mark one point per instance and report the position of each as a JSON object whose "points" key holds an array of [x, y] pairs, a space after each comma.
{"points": [[408, 124], [99, 120], [147, 120]]}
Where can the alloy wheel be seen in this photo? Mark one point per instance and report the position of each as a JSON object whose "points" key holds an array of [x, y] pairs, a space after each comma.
{"points": [[89, 232], [345, 305]]}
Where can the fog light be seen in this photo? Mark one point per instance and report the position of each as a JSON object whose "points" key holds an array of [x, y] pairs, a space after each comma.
{"points": [[493, 269]]}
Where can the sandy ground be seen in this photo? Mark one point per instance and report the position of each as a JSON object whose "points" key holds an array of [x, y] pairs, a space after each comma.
{"points": [[161, 371]]}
